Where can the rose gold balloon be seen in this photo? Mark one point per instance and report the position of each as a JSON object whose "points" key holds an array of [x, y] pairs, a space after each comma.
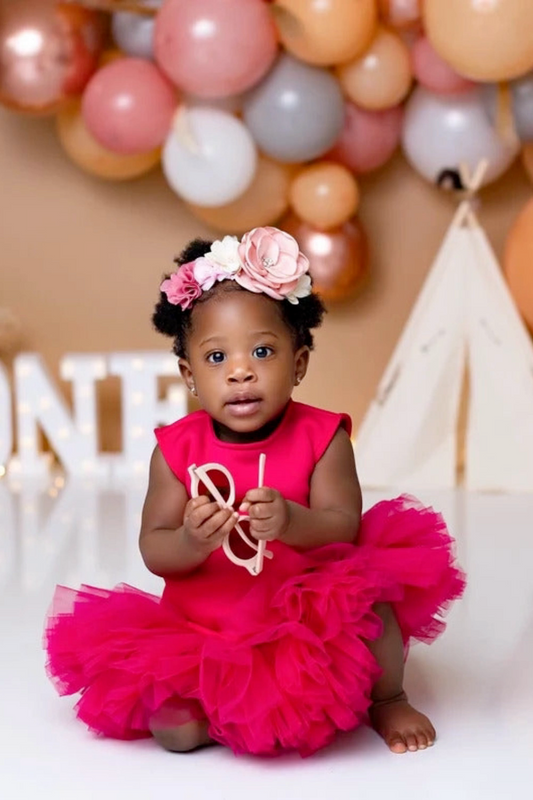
{"points": [[338, 259], [48, 52], [263, 203], [401, 14]]}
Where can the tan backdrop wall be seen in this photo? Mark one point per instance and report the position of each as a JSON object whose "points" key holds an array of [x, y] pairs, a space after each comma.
{"points": [[81, 262]]}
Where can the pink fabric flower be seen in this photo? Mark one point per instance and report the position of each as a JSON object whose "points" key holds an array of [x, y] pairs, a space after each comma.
{"points": [[182, 288], [272, 263], [207, 273]]}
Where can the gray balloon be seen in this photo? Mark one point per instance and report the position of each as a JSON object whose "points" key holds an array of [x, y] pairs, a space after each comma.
{"points": [[296, 113], [134, 33], [522, 104]]}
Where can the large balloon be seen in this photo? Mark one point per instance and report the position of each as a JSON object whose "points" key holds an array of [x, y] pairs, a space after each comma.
{"points": [[402, 14], [128, 106], [522, 105], [209, 157], [328, 32], [368, 138], [48, 52], [263, 203], [338, 259], [443, 131], [296, 113], [325, 195], [214, 48], [518, 262], [382, 77], [432, 72], [134, 33], [485, 40], [83, 149]]}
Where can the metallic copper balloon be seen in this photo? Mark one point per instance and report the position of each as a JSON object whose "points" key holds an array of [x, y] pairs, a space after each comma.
{"points": [[48, 52], [338, 259]]}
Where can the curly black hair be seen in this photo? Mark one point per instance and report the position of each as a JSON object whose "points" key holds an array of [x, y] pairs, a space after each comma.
{"points": [[172, 320]]}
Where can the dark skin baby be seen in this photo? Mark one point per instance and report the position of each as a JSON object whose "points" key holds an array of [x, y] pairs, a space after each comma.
{"points": [[243, 366]]}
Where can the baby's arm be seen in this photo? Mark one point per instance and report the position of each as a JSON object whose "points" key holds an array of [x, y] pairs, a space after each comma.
{"points": [[335, 503], [178, 534]]}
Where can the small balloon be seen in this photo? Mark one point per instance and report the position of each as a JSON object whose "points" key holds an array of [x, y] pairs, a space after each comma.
{"points": [[48, 52], [209, 157], [328, 32], [518, 260], [83, 149], [401, 14], [134, 33], [296, 113], [324, 195], [435, 74], [521, 101], [128, 106], [527, 160], [368, 138], [263, 203], [338, 259], [485, 40], [215, 48], [382, 77], [443, 131]]}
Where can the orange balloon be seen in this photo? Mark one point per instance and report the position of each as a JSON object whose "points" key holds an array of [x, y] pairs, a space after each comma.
{"points": [[401, 14], [328, 32], [527, 159], [325, 195], [48, 52], [382, 77], [485, 40], [264, 202], [518, 262], [338, 259], [91, 157]]}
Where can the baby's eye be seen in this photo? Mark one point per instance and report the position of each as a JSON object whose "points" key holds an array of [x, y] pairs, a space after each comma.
{"points": [[263, 352], [217, 357]]}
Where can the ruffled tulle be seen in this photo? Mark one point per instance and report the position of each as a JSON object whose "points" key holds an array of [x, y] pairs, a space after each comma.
{"points": [[276, 662]]}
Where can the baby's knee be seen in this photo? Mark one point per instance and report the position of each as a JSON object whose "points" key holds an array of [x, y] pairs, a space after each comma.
{"points": [[180, 739]]}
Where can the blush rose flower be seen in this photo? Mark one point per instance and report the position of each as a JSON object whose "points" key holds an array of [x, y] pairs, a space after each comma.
{"points": [[272, 263], [182, 288]]}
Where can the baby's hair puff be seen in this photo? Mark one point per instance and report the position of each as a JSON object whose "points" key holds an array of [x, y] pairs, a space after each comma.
{"points": [[266, 260]]}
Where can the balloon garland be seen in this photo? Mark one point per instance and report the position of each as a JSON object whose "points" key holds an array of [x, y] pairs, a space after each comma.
{"points": [[263, 111]]}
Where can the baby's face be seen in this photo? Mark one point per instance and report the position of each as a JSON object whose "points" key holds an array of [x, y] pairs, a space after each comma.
{"points": [[242, 361]]}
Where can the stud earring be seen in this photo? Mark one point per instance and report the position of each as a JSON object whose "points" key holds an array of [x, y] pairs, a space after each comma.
{"points": [[298, 380], [192, 389]]}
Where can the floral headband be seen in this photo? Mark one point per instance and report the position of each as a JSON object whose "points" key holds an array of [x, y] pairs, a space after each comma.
{"points": [[266, 260]]}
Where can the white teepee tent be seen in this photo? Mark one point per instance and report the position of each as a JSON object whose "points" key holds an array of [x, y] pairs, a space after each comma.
{"points": [[463, 317]]}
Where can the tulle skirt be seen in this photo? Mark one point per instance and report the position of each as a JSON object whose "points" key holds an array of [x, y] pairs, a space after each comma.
{"points": [[276, 662]]}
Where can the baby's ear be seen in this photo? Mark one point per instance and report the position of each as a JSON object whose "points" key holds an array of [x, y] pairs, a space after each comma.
{"points": [[186, 373], [301, 362]]}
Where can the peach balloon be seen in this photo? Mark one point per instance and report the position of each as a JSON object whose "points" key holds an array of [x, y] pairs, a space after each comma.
{"points": [[433, 72], [368, 139], [48, 52], [485, 40], [328, 32], [518, 262], [382, 77], [401, 14], [325, 195], [338, 259], [265, 201], [527, 159], [90, 156]]}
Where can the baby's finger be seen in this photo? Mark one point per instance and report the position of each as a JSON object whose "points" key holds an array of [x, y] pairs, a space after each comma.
{"points": [[220, 519], [260, 511], [201, 513], [260, 495]]}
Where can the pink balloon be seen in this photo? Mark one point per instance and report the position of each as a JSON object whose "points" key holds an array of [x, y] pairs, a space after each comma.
{"points": [[215, 48], [368, 139], [433, 72], [128, 106]]}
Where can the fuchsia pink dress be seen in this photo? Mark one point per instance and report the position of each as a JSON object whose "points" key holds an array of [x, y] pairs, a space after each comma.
{"points": [[277, 661]]}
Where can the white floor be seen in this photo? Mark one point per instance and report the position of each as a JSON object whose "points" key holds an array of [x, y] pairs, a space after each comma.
{"points": [[476, 682]]}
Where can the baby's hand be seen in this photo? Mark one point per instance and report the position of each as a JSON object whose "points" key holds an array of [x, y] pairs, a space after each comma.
{"points": [[206, 524], [268, 511]]}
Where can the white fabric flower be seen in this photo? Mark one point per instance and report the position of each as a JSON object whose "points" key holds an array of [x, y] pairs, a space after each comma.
{"points": [[224, 254], [302, 289]]}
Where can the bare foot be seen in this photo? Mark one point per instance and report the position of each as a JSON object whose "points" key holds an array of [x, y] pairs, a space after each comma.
{"points": [[401, 726]]}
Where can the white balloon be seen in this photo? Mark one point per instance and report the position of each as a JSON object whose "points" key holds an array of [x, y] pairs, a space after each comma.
{"points": [[443, 131], [209, 157]]}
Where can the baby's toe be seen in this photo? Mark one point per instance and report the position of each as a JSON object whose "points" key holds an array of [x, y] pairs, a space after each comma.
{"points": [[396, 743], [422, 740], [411, 741]]}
